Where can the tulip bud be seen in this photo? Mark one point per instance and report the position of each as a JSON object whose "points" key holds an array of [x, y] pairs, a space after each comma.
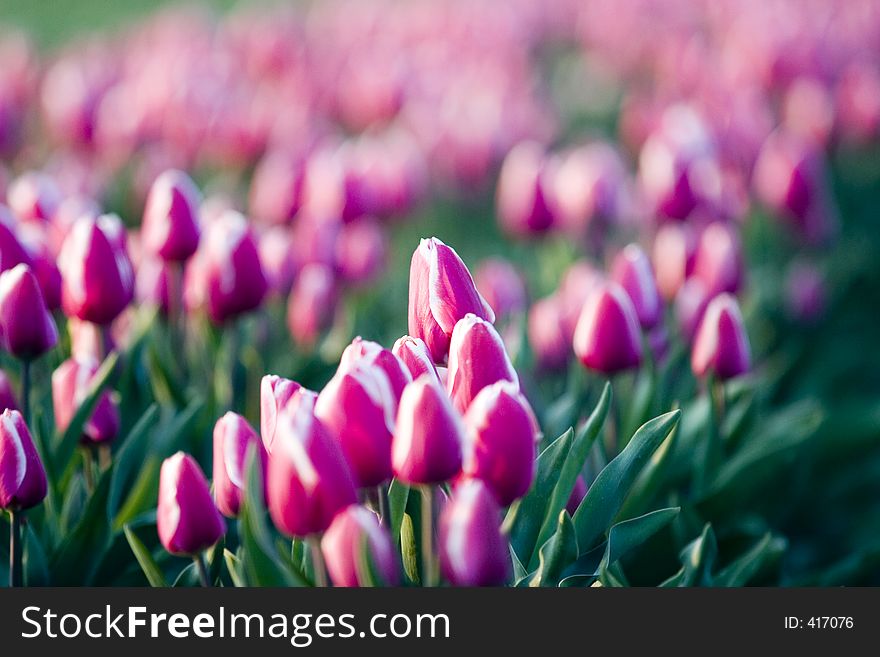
{"points": [[275, 393], [414, 354], [673, 257], [276, 188], [22, 477], [372, 353], [473, 551], [632, 271], [186, 517], [70, 385], [233, 438], [441, 291], [428, 436], [154, 283], [309, 479], [361, 251], [226, 277], [276, 246], [721, 345], [357, 407], [546, 334], [33, 196], [578, 493], [501, 285], [12, 252], [477, 358], [353, 533], [690, 305], [43, 262], [525, 191], [607, 335], [311, 307], [98, 281], [7, 395], [804, 291], [170, 228], [501, 434], [26, 327], [717, 261]]}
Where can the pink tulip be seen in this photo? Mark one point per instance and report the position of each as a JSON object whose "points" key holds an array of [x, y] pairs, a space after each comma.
{"points": [[721, 345], [22, 477], [473, 551], [233, 439], [186, 517], [374, 354], [501, 286], [311, 307], [70, 385], [414, 354], [690, 305], [27, 330], [441, 291], [275, 393], [276, 188], [502, 433], [477, 358], [34, 196], [354, 536], [525, 200], [673, 257], [547, 335], [632, 271], [276, 246], [170, 227], [607, 336], [361, 251], [717, 261]]}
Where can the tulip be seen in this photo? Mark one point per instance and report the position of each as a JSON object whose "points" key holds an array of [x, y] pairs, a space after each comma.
{"points": [[607, 335], [88, 341], [309, 480], [233, 437], [276, 188], [428, 438], [501, 286], [547, 336], [7, 395], [154, 285], [477, 358], [372, 353], [43, 262], [632, 271], [170, 227], [312, 304], [717, 261], [275, 393], [361, 251], [225, 278], [525, 198], [578, 493], [27, 330], [414, 354], [721, 345], [805, 291], [501, 434], [441, 291], [673, 257], [70, 385], [187, 520], [276, 247], [34, 196], [12, 252], [22, 482], [357, 407], [355, 542], [98, 281], [591, 187], [690, 305], [473, 551]]}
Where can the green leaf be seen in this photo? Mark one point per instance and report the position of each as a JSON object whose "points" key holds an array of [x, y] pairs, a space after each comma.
{"points": [[142, 495], [630, 534], [36, 565], [398, 493], [234, 568], [408, 550], [557, 553], [129, 456], [519, 571], [573, 466], [607, 493], [745, 567], [652, 478], [526, 515], [145, 558], [698, 559]]}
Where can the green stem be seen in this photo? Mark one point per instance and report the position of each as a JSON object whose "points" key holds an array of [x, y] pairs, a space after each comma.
{"points": [[88, 469], [26, 390], [429, 578], [714, 446], [15, 550], [384, 511], [314, 542], [203, 569]]}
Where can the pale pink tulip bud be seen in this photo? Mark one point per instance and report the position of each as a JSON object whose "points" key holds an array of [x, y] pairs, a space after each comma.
{"points": [[70, 385], [718, 262], [690, 305], [354, 536], [234, 438], [632, 271], [525, 191], [413, 352], [374, 354], [721, 345], [675, 246], [311, 307], [361, 251], [547, 336]]}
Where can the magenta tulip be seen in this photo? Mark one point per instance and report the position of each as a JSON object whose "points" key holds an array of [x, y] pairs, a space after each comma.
{"points": [[721, 346], [27, 330], [354, 537], [428, 436], [473, 551], [309, 481], [502, 434], [525, 196], [12, 251], [607, 335], [170, 227], [22, 477], [233, 439], [372, 353], [414, 354], [275, 393], [186, 517], [441, 291], [477, 358], [70, 385], [632, 271]]}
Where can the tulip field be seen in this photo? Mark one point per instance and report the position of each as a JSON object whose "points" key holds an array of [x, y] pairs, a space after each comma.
{"points": [[572, 293]]}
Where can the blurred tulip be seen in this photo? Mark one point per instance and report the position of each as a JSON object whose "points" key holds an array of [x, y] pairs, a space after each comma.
{"points": [[357, 406], [98, 281], [354, 537], [309, 481], [361, 251], [632, 271], [441, 291], [547, 336], [27, 330], [12, 252], [805, 293], [187, 520], [311, 307], [276, 188], [89, 341], [278, 258], [413, 352], [71, 382], [7, 395], [591, 187], [690, 305], [607, 336], [721, 345], [501, 286], [477, 358], [372, 353], [154, 283], [717, 261], [502, 435], [473, 551], [673, 257], [578, 493], [428, 436], [33, 196], [170, 227], [525, 191], [43, 262], [275, 393], [233, 439], [22, 477]]}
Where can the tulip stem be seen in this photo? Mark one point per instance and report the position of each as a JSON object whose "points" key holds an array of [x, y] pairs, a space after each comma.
{"points": [[15, 569], [384, 512], [428, 570], [714, 444], [26, 390], [202, 567], [88, 469], [314, 542]]}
